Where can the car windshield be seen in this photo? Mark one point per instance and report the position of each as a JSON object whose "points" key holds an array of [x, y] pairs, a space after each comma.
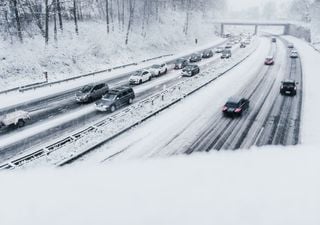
{"points": [[189, 67], [232, 104], [86, 88], [109, 97], [206, 52], [269, 58], [156, 66], [180, 61], [138, 73]]}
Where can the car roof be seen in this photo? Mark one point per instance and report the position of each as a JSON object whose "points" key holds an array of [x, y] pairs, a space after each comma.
{"points": [[288, 81], [235, 99], [119, 89]]}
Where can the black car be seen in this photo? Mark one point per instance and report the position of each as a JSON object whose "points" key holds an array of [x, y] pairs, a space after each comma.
{"points": [[288, 87], [235, 106], [242, 45], [180, 63], [226, 54], [195, 58], [273, 39], [91, 92], [190, 70], [115, 99], [207, 54]]}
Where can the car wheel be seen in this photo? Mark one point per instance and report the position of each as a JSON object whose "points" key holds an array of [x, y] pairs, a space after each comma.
{"points": [[159, 73], [112, 108], [149, 78], [166, 70], [130, 101], [140, 81], [20, 123]]}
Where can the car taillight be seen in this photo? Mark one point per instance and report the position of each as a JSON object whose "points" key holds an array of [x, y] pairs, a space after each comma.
{"points": [[237, 110], [224, 108]]}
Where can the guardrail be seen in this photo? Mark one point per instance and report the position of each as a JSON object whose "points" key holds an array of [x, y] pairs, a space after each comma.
{"points": [[154, 104], [45, 83]]}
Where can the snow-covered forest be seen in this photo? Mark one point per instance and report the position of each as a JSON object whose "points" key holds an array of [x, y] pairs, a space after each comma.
{"points": [[29, 18], [69, 37], [78, 36]]}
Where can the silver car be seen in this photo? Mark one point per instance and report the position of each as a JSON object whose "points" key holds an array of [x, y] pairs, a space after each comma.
{"points": [[92, 92]]}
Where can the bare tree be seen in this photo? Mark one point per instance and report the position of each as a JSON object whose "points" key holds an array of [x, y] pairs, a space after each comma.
{"points": [[16, 12], [75, 17], [46, 22], [107, 15], [131, 13], [59, 15]]}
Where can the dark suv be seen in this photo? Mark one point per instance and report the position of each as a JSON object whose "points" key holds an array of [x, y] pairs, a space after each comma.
{"points": [[91, 92], [115, 99], [190, 70], [288, 87], [180, 63], [207, 53], [235, 107], [195, 58]]}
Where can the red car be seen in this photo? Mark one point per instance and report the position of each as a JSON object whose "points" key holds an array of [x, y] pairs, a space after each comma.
{"points": [[269, 61]]}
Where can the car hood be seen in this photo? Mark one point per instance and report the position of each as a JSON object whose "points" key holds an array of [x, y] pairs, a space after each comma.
{"points": [[104, 102], [134, 77], [81, 94]]}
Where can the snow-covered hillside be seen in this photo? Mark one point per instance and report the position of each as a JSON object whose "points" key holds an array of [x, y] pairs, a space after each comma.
{"points": [[93, 49]]}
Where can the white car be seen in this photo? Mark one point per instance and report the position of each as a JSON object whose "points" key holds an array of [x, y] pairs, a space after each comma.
{"points": [[16, 118], [158, 69], [140, 76]]}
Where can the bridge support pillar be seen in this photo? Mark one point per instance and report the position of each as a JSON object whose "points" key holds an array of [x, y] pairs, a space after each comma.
{"points": [[255, 29], [222, 29], [286, 29]]}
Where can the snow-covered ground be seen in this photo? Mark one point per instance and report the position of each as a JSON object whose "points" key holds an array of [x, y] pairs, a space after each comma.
{"points": [[93, 49], [311, 80], [264, 186]]}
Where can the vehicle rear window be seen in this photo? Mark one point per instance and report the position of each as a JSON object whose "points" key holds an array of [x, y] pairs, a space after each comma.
{"points": [[232, 104], [86, 88]]}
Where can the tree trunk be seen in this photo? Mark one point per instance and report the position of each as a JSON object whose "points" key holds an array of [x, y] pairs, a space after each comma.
{"points": [[107, 15], [75, 17], [123, 15], [55, 20], [16, 12], [59, 15], [131, 12], [119, 15], [46, 22], [111, 15]]}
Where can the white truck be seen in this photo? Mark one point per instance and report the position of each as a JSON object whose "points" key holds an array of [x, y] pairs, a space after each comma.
{"points": [[16, 118]]}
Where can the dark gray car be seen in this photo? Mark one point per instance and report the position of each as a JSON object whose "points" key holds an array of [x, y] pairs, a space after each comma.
{"points": [[115, 99], [92, 92]]}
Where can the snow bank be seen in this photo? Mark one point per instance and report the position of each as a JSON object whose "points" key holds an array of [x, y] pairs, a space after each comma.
{"points": [[310, 115], [263, 186]]}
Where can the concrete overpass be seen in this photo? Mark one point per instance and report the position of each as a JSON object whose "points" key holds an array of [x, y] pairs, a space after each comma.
{"points": [[289, 28], [286, 26]]}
